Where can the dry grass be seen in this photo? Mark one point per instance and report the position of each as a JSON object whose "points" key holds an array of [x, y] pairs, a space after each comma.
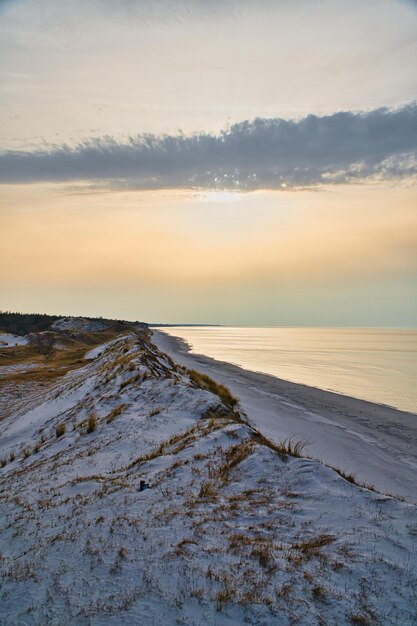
{"points": [[115, 412], [319, 592], [287, 447], [205, 382], [233, 456], [263, 553], [226, 594], [208, 490], [358, 619], [180, 549], [311, 547], [60, 430], [351, 478], [62, 361], [237, 541], [131, 381], [259, 548], [180, 441], [92, 423]]}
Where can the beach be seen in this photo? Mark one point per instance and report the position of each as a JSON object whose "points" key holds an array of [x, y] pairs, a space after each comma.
{"points": [[376, 443]]}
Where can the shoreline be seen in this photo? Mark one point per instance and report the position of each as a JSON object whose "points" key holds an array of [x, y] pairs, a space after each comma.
{"points": [[375, 442]]}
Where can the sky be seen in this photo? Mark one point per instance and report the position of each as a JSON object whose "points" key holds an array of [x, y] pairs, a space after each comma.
{"points": [[187, 161]]}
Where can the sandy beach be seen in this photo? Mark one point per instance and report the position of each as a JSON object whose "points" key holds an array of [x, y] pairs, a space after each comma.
{"points": [[375, 442]]}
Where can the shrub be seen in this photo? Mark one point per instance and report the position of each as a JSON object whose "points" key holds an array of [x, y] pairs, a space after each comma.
{"points": [[44, 343], [60, 430], [3, 462], [12, 456]]}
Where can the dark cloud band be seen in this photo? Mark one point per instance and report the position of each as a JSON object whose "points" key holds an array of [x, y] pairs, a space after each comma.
{"points": [[263, 153]]}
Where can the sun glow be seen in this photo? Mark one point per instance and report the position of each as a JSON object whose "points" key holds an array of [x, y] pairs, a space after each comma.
{"points": [[221, 196]]}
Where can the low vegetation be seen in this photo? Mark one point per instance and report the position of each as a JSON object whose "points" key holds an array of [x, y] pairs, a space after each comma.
{"points": [[44, 343], [208, 490], [351, 478], [205, 382], [92, 423], [118, 410], [292, 446], [60, 430], [310, 547], [233, 456]]}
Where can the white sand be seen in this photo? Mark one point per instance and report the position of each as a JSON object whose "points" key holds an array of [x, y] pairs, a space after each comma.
{"points": [[229, 532], [377, 443]]}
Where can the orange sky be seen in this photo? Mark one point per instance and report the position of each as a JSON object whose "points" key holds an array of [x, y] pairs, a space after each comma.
{"points": [[56, 239]]}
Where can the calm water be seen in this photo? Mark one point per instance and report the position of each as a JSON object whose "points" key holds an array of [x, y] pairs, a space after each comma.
{"points": [[373, 364]]}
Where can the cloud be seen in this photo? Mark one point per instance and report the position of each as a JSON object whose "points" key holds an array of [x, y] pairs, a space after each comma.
{"points": [[259, 154]]}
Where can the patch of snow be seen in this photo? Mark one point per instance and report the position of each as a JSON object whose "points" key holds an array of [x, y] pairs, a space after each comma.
{"points": [[98, 350], [78, 324], [7, 370], [8, 340]]}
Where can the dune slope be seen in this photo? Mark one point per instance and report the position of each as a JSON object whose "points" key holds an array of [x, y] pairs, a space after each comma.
{"points": [[135, 493]]}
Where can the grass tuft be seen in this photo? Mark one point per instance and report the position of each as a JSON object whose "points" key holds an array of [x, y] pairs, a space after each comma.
{"points": [[311, 547], [60, 430], [115, 412], [207, 490], [235, 455], [287, 447], [205, 382], [351, 478], [130, 381], [92, 423]]}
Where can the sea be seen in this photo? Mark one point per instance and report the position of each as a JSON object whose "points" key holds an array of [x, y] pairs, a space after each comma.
{"points": [[379, 365]]}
